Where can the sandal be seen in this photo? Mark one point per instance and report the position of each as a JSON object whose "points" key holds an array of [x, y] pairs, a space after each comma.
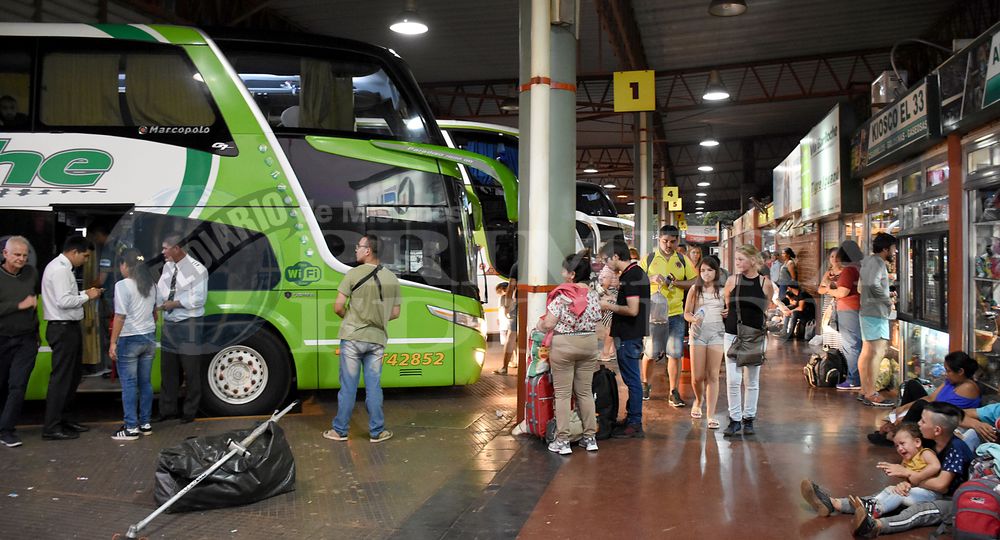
{"points": [[713, 423], [695, 413]]}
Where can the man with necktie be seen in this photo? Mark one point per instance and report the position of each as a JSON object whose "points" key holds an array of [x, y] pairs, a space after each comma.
{"points": [[62, 303], [180, 295]]}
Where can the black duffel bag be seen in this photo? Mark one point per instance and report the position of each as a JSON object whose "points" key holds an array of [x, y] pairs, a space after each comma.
{"points": [[269, 470]]}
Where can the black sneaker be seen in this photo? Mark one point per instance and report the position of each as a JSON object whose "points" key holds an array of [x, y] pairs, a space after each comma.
{"points": [[864, 525], [748, 426], [146, 429], [733, 428], [631, 431], [646, 389], [879, 439], [126, 434], [676, 401], [817, 498], [10, 440]]}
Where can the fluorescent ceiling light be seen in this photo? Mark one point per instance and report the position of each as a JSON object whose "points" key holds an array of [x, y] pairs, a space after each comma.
{"points": [[698, 213], [706, 168], [610, 186], [701, 194], [631, 203], [704, 184], [699, 202], [709, 142], [622, 196]]}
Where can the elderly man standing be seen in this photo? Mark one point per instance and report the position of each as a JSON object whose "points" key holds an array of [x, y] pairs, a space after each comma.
{"points": [[63, 305], [18, 333]]}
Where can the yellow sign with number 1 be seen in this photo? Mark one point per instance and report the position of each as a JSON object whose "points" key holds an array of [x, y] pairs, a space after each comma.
{"points": [[635, 91]]}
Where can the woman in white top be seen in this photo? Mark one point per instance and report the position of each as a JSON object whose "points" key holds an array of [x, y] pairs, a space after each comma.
{"points": [[133, 343], [703, 310]]}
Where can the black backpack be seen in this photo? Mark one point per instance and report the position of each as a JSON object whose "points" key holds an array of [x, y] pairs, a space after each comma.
{"points": [[605, 388], [826, 370]]}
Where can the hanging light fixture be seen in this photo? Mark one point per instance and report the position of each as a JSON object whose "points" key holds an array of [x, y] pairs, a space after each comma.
{"points": [[591, 169], [409, 22], [727, 8], [715, 90], [709, 141], [704, 184], [706, 168], [610, 186], [701, 194], [510, 105]]}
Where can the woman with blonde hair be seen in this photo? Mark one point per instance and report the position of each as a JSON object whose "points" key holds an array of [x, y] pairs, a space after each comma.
{"points": [[747, 295]]}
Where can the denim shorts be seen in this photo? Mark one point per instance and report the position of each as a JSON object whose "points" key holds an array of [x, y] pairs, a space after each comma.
{"points": [[873, 328], [666, 339], [712, 334]]}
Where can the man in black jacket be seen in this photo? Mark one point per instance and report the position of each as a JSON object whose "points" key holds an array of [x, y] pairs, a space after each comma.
{"points": [[18, 333]]}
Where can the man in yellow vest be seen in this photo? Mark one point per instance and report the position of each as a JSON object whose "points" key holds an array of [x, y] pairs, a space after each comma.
{"points": [[670, 274]]}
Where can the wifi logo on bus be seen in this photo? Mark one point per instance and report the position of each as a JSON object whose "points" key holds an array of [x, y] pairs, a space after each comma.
{"points": [[302, 273]]}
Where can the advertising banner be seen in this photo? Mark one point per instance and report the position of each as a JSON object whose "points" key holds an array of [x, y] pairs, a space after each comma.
{"points": [[821, 168], [902, 129]]}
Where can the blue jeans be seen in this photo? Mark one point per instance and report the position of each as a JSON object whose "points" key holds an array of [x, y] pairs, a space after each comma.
{"points": [[887, 500], [135, 365], [629, 351], [849, 326], [353, 356]]}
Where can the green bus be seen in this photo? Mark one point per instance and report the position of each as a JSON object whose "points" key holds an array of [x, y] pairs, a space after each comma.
{"points": [[270, 157]]}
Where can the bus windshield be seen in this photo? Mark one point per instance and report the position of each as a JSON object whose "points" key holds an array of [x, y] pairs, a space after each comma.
{"points": [[315, 90]]}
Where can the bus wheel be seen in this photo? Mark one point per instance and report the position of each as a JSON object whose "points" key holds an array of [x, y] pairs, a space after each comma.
{"points": [[250, 378]]}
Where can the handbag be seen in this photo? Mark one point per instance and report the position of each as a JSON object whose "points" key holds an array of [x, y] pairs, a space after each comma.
{"points": [[748, 349]]}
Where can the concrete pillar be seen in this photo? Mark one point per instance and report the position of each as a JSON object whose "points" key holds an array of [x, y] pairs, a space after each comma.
{"points": [[547, 122], [645, 226]]}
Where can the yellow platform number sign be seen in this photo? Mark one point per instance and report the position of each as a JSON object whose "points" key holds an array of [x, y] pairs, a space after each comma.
{"points": [[671, 196], [635, 91]]}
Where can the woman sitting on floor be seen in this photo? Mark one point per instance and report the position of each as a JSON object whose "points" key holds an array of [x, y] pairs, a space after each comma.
{"points": [[958, 388]]}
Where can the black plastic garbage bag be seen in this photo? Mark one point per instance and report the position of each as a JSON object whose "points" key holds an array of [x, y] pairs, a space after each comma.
{"points": [[269, 470]]}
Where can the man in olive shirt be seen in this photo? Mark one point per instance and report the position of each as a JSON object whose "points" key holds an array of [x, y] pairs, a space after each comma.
{"points": [[374, 301], [18, 333]]}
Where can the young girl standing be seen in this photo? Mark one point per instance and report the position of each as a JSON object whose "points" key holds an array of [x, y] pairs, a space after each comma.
{"points": [[133, 343], [703, 311]]}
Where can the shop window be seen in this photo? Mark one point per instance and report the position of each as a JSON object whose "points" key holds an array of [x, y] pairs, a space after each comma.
{"points": [[911, 183], [873, 195], [937, 175], [923, 279], [890, 190], [984, 159], [15, 85]]}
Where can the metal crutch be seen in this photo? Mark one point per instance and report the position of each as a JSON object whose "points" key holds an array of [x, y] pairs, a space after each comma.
{"points": [[234, 448]]}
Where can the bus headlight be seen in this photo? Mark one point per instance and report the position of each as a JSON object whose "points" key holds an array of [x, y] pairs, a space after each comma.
{"points": [[469, 321], [480, 357]]}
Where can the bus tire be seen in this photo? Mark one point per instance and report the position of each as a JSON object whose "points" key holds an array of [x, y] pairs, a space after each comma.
{"points": [[250, 378]]}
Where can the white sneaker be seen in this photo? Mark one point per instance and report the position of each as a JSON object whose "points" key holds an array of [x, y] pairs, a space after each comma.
{"points": [[560, 447], [589, 443]]}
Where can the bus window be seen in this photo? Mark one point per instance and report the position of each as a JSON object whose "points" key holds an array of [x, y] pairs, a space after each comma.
{"points": [[310, 90], [129, 89], [15, 85]]}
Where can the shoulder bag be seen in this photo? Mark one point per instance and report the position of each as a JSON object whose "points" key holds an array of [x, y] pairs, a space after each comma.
{"points": [[750, 344]]}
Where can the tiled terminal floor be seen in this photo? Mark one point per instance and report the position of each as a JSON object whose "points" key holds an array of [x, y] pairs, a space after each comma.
{"points": [[452, 471]]}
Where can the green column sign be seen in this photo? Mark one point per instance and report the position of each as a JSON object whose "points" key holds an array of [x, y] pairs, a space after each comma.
{"points": [[992, 92]]}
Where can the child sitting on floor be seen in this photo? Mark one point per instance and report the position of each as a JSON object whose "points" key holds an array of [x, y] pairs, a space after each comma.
{"points": [[919, 463], [937, 423]]}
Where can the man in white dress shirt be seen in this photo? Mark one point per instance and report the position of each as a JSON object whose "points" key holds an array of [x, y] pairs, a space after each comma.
{"points": [[180, 294], [62, 303]]}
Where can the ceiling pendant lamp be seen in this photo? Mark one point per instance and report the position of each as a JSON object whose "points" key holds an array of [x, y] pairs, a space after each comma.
{"points": [[591, 169], [727, 8], [715, 90], [409, 22]]}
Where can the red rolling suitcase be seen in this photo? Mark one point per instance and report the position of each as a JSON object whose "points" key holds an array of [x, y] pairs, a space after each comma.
{"points": [[539, 406]]}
